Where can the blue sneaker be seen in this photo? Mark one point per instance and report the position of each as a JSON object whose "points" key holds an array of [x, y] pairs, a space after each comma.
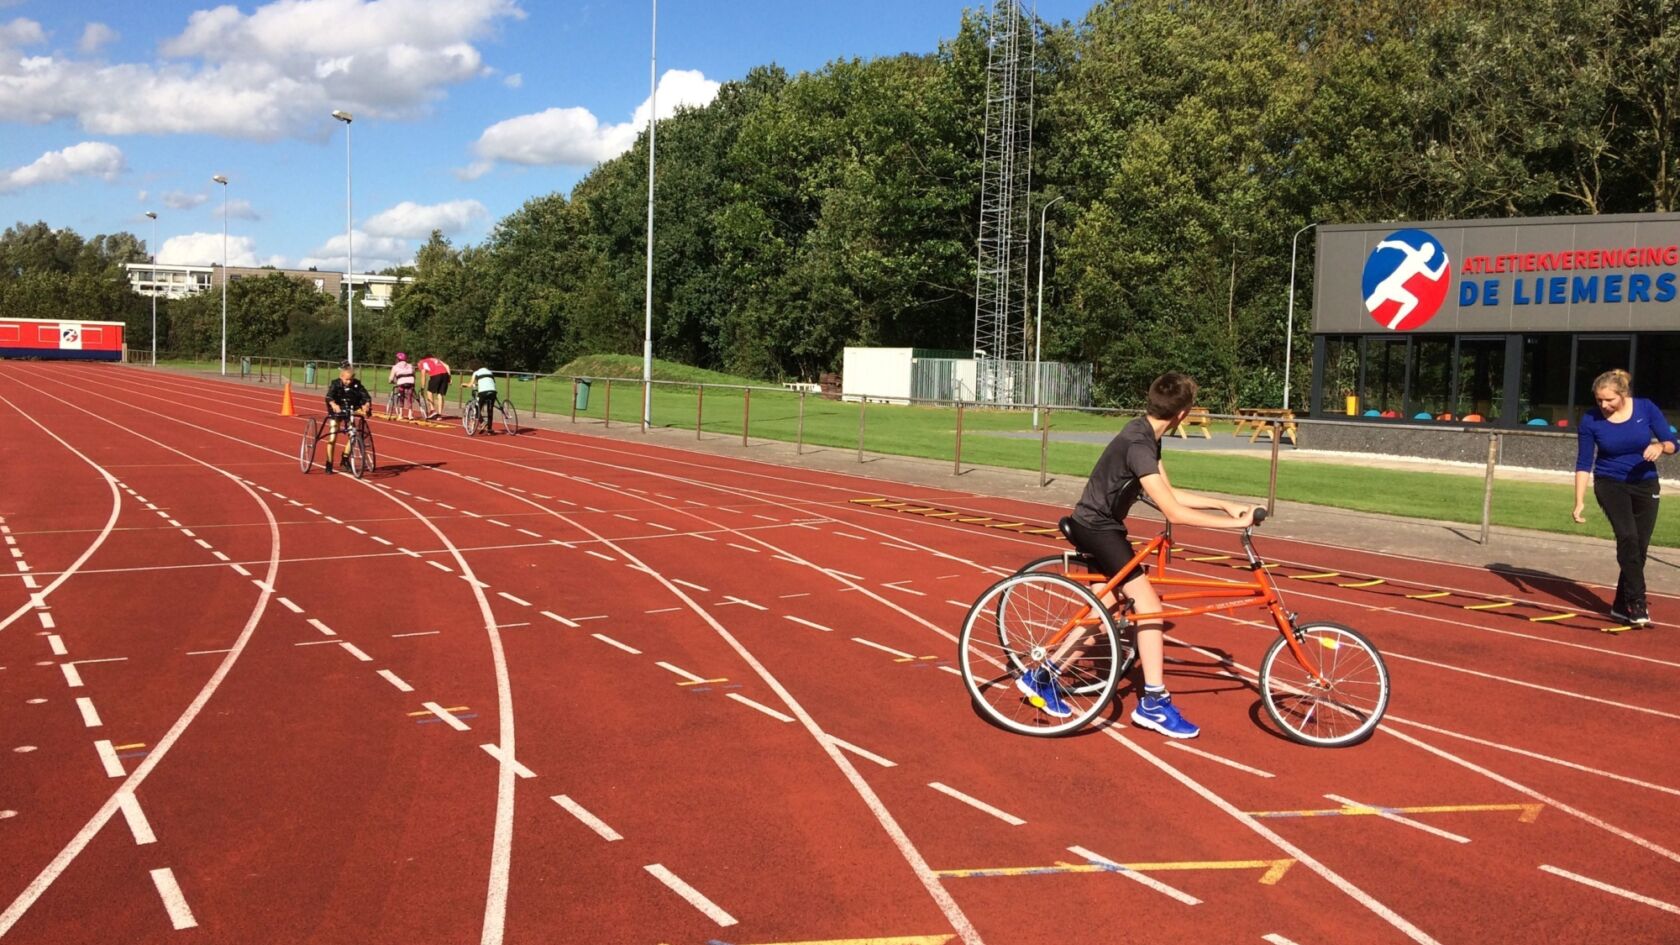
{"points": [[1158, 713], [1042, 690]]}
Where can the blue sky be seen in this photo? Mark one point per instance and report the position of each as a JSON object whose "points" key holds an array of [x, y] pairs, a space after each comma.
{"points": [[464, 108]]}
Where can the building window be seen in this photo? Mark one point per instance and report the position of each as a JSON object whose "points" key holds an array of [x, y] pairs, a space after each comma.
{"points": [[1341, 373], [1595, 354], [1481, 378], [1431, 384], [1656, 372], [1545, 377], [1385, 376]]}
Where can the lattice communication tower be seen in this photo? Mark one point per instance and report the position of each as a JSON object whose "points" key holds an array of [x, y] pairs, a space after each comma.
{"points": [[1001, 325]]}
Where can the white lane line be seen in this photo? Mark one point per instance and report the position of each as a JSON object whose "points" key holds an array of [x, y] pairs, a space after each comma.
{"points": [[952, 670], [1543, 687], [220, 557], [1612, 890], [1134, 875], [137, 823], [778, 716], [355, 651], [22, 566], [841, 743], [313, 511], [382, 541], [883, 649], [286, 602], [494, 522], [1218, 760], [527, 531], [396, 681], [90, 715], [692, 895], [443, 714], [903, 590], [627, 518], [29, 582], [506, 596], [701, 537], [174, 523], [318, 643], [744, 602], [691, 585], [207, 652], [838, 573], [977, 804], [446, 505], [611, 642], [958, 603], [322, 627], [803, 622], [745, 548], [240, 570], [1535, 755], [662, 610], [495, 752], [1275, 939], [72, 676], [410, 552], [441, 566], [603, 557], [108, 758], [180, 914], [56, 644], [47, 621], [335, 521], [679, 671], [765, 517], [850, 535], [896, 547], [1399, 819], [558, 619], [789, 596], [666, 528], [420, 633], [358, 531]]}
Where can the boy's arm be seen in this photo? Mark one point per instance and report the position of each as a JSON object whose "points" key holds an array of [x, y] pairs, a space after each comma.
{"points": [[1161, 492], [1196, 501]]}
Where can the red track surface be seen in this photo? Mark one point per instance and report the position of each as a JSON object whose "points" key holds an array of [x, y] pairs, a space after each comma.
{"points": [[243, 748]]}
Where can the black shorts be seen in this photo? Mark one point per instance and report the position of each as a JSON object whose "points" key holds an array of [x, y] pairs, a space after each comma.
{"points": [[1109, 548], [438, 384]]}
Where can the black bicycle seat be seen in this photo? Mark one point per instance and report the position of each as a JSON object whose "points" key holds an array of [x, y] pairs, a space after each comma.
{"points": [[1066, 527]]}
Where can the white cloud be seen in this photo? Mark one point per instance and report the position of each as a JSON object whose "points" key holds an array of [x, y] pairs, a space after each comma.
{"points": [[514, 81], [274, 72], [205, 249], [242, 210], [372, 253], [180, 200], [88, 159], [143, 195], [409, 220], [96, 36], [574, 136]]}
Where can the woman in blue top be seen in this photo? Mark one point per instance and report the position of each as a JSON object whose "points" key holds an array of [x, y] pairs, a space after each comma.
{"points": [[1628, 434]]}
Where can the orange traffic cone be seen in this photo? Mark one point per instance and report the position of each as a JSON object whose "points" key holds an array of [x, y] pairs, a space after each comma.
{"points": [[286, 402]]}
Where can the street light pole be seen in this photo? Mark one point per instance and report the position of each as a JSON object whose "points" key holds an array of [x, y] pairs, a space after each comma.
{"points": [[349, 293], [1038, 341], [153, 217], [653, 125], [1289, 333], [220, 179]]}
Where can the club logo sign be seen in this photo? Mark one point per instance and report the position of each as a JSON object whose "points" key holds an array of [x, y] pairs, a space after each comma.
{"points": [[1406, 279], [70, 337]]}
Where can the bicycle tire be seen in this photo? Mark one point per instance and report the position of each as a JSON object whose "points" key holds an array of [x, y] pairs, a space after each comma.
{"points": [[370, 455], [469, 419], [510, 418], [1058, 564], [1286, 686], [306, 447], [994, 658], [391, 405]]}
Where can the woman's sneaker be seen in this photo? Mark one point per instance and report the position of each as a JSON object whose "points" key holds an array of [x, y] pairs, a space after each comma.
{"points": [[1158, 713], [1639, 615], [1042, 690], [1623, 613]]}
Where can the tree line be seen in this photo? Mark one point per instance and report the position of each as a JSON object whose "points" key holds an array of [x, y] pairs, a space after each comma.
{"points": [[800, 213]]}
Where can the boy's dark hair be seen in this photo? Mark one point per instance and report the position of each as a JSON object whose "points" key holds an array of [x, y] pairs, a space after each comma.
{"points": [[1171, 394]]}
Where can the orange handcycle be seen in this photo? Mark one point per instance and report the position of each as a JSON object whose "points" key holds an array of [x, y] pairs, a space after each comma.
{"points": [[1322, 683]]}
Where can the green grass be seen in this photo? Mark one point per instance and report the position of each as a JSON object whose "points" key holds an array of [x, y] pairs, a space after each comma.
{"points": [[930, 433]]}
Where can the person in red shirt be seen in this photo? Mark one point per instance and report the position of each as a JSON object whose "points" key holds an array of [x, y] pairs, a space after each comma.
{"points": [[437, 384]]}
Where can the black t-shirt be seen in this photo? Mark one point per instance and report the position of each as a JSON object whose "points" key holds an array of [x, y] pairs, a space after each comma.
{"points": [[1114, 485], [349, 396]]}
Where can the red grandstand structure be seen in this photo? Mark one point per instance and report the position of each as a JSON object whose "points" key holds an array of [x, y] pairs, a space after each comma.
{"points": [[54, 339]]}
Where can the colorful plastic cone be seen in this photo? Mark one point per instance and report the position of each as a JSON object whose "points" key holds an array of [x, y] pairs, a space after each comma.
{"points": [[286, 402]]}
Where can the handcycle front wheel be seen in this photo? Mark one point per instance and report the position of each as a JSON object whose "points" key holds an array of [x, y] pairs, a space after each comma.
{"points": [[510, 418], [306, 448], [1016, 628], [1338, 701], [1080, 563], [469, 419]]}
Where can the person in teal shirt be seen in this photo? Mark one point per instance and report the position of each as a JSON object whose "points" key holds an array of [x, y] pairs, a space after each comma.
{"points": [[484, 395]]}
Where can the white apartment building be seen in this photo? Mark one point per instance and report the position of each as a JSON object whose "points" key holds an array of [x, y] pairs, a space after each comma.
{"points": [[174, 281]]}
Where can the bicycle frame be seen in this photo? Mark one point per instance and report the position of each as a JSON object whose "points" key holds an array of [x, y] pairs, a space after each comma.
{"points": [[1260, 592]]}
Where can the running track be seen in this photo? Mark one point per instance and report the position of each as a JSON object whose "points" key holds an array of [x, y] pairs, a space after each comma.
{"points": [[560, 688]]}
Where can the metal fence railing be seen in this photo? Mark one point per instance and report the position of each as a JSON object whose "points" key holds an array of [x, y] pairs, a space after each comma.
{"points": [[968, 434]]}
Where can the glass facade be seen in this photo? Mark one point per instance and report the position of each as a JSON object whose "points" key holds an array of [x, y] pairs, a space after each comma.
{"points": [[1507, 379]]}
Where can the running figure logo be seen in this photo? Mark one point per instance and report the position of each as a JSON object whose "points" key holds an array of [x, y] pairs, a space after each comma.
{"points": [[1406, 279]]}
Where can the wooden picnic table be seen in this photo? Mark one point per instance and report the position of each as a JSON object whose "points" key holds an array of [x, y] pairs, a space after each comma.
{"points": [[1263, 420], [1197, 420]]}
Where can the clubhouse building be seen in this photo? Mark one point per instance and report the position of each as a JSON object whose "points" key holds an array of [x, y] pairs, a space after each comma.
{"points": [[1504, 322]]}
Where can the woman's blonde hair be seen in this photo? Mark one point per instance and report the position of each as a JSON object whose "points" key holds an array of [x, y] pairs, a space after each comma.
{"points": [[1617, 380]]}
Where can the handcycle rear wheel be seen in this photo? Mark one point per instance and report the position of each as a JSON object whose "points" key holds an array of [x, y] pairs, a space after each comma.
{"points": [[469, 418], [370, 458], [1060, 564], [306, 448], [510, 418], [1008, 634], [1343, 709]]}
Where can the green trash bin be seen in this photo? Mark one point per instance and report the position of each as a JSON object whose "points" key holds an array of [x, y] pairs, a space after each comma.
{"points": [[582, 402], [309, 373], [244, 367]]}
